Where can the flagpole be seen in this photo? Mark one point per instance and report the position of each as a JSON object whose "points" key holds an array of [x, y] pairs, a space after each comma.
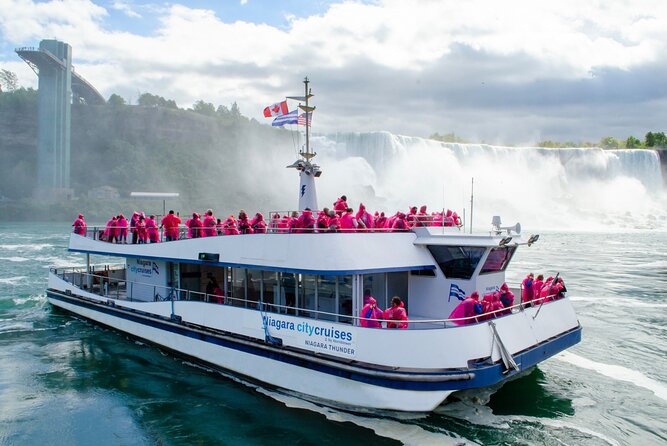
{"points": [[305, 83]]}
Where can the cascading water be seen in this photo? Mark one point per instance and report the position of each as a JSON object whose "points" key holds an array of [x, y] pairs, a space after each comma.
{"points": [[577, 188]]}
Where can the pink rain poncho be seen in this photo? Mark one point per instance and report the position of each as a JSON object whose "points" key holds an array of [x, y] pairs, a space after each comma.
{"points": [[380, 222], [340, 206], [467, 309], [151, 228], [122, 228], [79, 225], [243, 223], [372, 315], [347, 222], [230, 226], [506, 297], [396, 316], [209, 224], [110, 230], [400, 223], [323, 220], [194, 225], [306, 222], [527, 289], [258, 224], [364, 217], [170, 224]]}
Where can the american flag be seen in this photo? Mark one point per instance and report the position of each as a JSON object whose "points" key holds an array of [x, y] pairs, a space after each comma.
{"points": [[302, 119]]}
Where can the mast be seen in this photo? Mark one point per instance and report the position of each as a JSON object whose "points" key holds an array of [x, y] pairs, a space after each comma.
{"points": [[307, 170]]}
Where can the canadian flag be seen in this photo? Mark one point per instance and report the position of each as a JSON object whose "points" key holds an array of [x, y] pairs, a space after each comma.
{"points": [[277, 109]]}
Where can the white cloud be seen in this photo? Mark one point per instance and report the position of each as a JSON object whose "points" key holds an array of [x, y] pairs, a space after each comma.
{"points": [[397, 50], [126, 8]]}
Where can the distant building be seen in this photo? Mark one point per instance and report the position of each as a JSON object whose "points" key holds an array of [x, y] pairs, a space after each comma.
{"points": [[103, 193]]}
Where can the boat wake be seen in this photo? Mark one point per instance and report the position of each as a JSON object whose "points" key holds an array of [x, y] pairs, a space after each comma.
{"points": [[616, 372], [472, 408], [405, 432]]}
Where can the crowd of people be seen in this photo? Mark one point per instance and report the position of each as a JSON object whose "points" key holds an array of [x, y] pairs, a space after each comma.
{"points": [[372, 316], [340, 218], [498, 303]]}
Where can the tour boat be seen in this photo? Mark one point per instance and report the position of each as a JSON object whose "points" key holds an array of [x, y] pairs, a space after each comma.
{"points": [[288, 311]]}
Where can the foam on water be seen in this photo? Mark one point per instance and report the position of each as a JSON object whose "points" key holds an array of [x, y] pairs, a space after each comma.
{"points": [[12, 280], [619, 302], [616, 372], [26, 247], [14, 259]]}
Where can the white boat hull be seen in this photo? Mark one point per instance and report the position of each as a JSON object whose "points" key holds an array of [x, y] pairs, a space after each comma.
{"points": [[306, 373]]}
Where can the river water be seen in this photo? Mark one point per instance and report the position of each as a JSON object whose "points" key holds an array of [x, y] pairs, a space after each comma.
{"points": [[64, 381]]}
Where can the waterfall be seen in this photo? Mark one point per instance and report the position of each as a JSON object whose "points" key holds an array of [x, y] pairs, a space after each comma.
{"points": [[571, 188]]}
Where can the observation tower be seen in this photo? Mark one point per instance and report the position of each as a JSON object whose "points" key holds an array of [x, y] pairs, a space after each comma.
{"points": [[58, 82]]}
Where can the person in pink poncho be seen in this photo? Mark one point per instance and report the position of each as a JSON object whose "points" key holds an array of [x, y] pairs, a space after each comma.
{"points": [[170, 224], [230, 226], [371, 315], [347, 222], [258, 224], [80, 225], [323, 220], [133, 227], [151, 228], [142, 232], [121, 224], [305, 223], [396, 316], [467, 311], [209, 224], [506, 297], [527, 288], [380, 222], [334, 221], [110, 230], [194, 225], [400, 224], [243, 223], [364, 217], [422, 218], [340, 206]]}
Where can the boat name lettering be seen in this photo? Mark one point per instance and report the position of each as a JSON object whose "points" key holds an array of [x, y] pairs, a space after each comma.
{"points": [[308, 328]]}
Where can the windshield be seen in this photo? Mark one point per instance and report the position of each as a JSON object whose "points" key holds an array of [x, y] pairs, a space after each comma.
{"points": [[498, 259], [457, 262]]}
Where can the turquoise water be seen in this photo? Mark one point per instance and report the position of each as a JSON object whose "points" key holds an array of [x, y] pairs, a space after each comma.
{"points": [[64, 381]]}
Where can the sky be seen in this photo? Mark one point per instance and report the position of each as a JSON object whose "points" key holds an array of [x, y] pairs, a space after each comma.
{"points": [[501, 72]]}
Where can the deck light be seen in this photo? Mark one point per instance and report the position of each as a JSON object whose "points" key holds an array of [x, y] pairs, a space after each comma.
{"points": [[533, 238], [505, 241]]}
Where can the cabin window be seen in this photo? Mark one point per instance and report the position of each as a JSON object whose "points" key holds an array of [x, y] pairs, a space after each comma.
{"points": [[375, 285], [253, 284], [457, 262], [270, 287], [308, 293], [238, 287], [498, 259], [397, 285], [326, 296], [345, 298], [288, 285]]}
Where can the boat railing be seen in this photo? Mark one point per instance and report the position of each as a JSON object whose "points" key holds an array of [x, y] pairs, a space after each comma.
{"points": [[110, 283]]}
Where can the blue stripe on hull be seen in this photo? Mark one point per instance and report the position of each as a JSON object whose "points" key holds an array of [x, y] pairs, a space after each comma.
{"points": [[485, 374]]}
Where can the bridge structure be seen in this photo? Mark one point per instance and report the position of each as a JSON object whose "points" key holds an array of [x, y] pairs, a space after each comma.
{"points": [[58, 85]]}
